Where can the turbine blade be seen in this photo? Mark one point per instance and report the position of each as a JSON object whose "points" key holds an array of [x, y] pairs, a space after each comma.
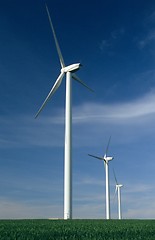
{"points": [[54, 88], [55, 39], [108, 146], [100, 158], [115, 194], [116, 189], [80, 81], [104, 164], [115, 177]]}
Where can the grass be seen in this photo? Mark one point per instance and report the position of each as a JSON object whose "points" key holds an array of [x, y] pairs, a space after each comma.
{"points": [[77, 229]]}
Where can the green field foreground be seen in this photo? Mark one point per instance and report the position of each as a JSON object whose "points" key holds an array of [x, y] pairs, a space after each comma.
{"points": [[77, 229]]}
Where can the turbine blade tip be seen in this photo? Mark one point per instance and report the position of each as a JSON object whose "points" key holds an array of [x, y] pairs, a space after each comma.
{"points": [[36, 115]]}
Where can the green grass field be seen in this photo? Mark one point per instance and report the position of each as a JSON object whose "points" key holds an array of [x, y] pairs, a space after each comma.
{"points": [[77, 229]]}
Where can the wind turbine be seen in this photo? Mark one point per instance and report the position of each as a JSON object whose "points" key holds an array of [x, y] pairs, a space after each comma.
{"points": [[69, 71], [118, 191], [106, 160]]}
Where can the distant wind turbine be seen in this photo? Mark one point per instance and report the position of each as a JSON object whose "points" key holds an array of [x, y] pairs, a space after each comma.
{"points": [[69, 71], [118, 191], [106, 160]]}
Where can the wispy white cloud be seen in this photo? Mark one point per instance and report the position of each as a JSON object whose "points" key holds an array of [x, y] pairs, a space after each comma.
{"points": [[24, 131], [118, 33], [150, 18], [140, 206], [140, 213], [139, 188], [109, 43], [13, 209], [116, 112], [104, 45], [149, 31], [89, 211], [149, 38], [90, 181]]}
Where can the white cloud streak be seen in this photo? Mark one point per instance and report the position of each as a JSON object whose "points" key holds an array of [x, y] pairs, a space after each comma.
{"points": [[117, 112], [109, 43], [24, 131], [148, 39], [149, 36], [13, 209]]}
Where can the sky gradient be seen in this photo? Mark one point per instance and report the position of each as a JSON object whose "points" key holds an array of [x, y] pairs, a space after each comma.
{"points": [[115, 43]]}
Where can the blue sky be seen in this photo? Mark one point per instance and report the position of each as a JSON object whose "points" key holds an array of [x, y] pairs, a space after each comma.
{"points": [[115, 43]]}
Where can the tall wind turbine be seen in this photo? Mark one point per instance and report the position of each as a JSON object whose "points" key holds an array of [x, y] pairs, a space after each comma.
{"points": [[69, 71], [106, 160], [118, 191]]}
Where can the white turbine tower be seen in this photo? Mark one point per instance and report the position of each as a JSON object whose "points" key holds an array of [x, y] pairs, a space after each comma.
{"points": [[118, 191], [69, 71], [106, 160]]}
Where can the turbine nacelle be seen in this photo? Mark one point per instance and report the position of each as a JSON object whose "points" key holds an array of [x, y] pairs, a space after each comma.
{"points": [[106, 159], [71, 68], [119, 185]]}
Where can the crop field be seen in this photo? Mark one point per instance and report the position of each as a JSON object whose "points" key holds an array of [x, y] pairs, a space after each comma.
{"points": [[77, 229]]}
